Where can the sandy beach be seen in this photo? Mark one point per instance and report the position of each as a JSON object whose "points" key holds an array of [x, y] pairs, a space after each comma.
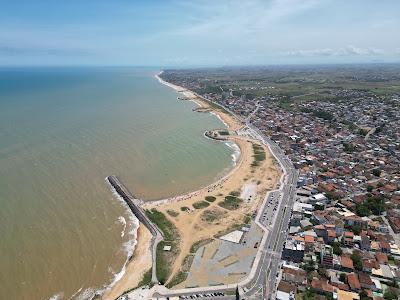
{"points": [[250, 182], [140, 263]]}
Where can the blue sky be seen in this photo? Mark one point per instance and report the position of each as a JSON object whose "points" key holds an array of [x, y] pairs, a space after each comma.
{"points": [[198, 33]]}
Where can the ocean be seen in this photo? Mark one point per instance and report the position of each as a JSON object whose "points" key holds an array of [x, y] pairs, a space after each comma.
{"points": [[62, 131]]}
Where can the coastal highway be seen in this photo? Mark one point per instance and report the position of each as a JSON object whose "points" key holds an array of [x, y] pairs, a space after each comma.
{"points": [[277, 211]]}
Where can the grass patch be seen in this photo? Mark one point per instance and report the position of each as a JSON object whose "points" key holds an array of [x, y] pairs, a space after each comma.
{"points": [[177, 279], [185, 208], [210, 198], [164, 259], [162, 268], [247, 219], [211, 215], [169, 230], [234, 193], [231, 202], [259, 155], [198, 244], [223, 132], [172, 213], [200, 204]]}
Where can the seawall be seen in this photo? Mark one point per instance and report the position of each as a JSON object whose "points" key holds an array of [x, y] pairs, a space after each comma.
{"points": [[134, 205]]}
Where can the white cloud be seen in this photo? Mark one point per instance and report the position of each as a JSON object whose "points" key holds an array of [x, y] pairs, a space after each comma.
{"points": [[347, 51]]}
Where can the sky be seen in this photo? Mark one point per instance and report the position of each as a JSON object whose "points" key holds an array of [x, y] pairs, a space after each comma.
{"points": [[183, 33]]}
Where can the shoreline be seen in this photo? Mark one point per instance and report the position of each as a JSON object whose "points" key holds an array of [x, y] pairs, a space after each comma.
{"points": [[192, 227], [135, 268], [132, 276], [231, 178]]}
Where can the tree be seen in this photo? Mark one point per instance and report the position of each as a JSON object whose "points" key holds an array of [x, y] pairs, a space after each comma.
{"points": [[362, 210], [336, 248], [364, 295], [356, 229], [376, 172], [322, 272], [389, 294], [309, 295], [329, 296], [356, 258], [342, 277], [370, 188]]}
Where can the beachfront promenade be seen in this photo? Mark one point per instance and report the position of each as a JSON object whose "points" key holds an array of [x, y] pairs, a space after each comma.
{"points": [[134, 205], [261, 281]]}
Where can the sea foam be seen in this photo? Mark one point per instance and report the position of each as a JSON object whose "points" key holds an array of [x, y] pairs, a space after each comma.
{"points": [[128, 247]]}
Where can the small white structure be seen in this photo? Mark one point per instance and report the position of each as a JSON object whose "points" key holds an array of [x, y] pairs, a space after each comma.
{"points": [[234, 236], [167, 248]]}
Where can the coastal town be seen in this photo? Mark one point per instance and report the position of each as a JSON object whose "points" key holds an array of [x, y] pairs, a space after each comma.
{"points": [[341, 132]]}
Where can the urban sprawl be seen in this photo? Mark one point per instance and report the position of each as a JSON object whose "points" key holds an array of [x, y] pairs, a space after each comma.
{"points": [[340, 127]]}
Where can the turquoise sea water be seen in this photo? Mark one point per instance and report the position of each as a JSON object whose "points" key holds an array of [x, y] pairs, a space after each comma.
{"points": [[62, 131]]}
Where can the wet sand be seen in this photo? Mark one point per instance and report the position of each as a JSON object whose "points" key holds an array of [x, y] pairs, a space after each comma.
{"points": [[135, 269]]}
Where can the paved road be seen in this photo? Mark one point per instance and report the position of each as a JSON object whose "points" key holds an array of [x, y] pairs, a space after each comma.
{"points": [[275, 217]]}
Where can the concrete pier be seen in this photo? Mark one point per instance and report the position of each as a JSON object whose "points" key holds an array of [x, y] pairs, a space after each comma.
{"points": [[134, 205]]}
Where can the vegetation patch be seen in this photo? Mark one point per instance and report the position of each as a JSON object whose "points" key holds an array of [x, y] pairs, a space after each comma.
{"points": [[200, 204], [185, 208], [247, 219], [323, 115], [198, 244], [172, 213], [231, 202], [234, 193], [210, 198], [169, 230], [223, 132], [211, 215], [177, 279], [259, 155], [164, 259]]}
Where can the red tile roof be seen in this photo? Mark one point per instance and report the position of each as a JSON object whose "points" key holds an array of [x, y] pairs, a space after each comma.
{"points": [[353, 281]]}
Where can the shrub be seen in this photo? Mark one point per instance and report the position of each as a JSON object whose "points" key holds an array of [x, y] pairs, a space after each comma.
{"points": [[172, 213], [200, 204], [210, 198], [231, 202]]}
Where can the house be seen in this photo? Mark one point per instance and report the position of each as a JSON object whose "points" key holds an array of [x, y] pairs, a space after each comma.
{"points": [[285, 291], [366, 282], [348, 239], [369, 264], [331, 236], [346, 263], [384, 246], [365, 242], [381, 258], [293, 275], [322, 286], [293, 250], [344, 295], [354, 283], [327, 256]]}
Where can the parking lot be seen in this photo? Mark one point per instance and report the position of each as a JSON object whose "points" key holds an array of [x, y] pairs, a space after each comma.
{"points": [[224, 262]]}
